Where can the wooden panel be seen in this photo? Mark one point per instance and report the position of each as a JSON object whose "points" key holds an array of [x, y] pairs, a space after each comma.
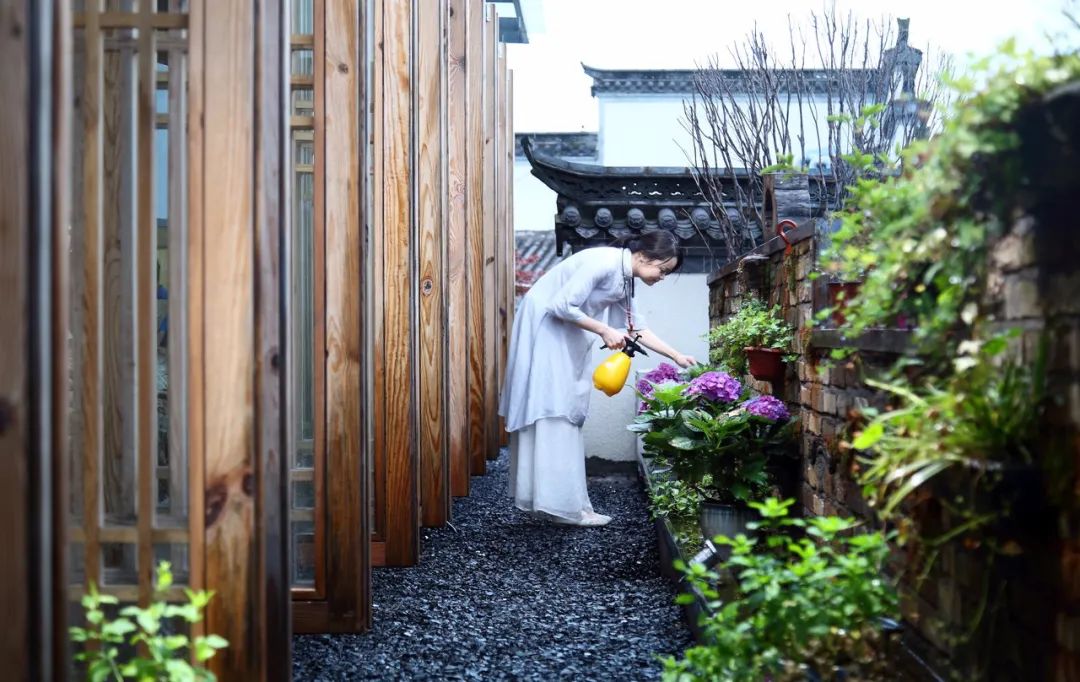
{"points": [[16, 498], [508, 242], [491, 97], [347, 532], [431, 243], [62, 122], [395, 437], [272, 248], [456, 293], [146, 305], [92, 394], [474, 229], [227, 389]]}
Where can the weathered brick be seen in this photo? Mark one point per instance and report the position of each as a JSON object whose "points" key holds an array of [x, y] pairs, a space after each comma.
{"points": [[1014, 251], [806, 290], [805, 394], [828, 401], [819, 505], [1022, 296]]}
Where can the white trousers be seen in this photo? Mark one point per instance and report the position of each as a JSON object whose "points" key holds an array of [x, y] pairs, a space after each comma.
{"points": [[547, 469]]}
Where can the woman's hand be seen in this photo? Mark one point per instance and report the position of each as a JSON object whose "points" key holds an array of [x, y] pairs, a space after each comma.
{"points": [[613, 338], [683, 361]]}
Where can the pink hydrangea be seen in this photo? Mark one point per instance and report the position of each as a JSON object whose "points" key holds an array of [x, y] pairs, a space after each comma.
{"points": [[716, 386], [769, 407]]}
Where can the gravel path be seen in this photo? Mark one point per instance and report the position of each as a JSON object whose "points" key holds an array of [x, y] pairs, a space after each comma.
{"points": [[506, 597]]}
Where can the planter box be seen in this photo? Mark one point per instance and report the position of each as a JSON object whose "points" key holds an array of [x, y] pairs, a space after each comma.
{"points": [[766, 364]]}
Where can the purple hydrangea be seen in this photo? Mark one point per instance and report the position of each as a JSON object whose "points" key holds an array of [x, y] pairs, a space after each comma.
{"points": [[663, 372], [715, 386], [644, 387], [768, 406]]}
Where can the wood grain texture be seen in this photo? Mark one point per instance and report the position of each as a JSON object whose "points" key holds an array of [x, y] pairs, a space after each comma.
{"points": [[504, 230], [272, 249], [431, 241], [15, 433], [117, 177], [196, 325], [318, 269], [457, 378], [474, 229], [398, 305], [228, 344], [146, 430], [510, 244], [376, 340], [491, 85], [346, 527], [92, 398], [62, 170]]}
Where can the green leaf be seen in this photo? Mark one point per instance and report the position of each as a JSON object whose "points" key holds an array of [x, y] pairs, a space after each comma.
{"points": [[869, 436]]}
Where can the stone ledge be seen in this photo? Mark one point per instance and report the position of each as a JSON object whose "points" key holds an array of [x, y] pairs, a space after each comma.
{"points": [[896, 341]]}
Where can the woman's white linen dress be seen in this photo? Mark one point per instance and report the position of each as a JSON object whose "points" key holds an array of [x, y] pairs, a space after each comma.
{"points": [[545, 396]]}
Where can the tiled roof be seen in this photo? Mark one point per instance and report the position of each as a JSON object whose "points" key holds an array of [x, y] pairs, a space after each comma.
{"points": [[563, 145], [538, 243]]}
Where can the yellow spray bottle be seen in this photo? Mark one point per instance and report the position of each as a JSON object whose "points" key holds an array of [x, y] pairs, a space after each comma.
{"points": [[611, 375]]}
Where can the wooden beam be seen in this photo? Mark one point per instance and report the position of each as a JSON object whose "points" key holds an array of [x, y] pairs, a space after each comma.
{"points": [[491, 108], [272, 249], [145, 454], [347, 530], [431, 242], [16, 438], [457, 315], [396, 407], [475, 95]]}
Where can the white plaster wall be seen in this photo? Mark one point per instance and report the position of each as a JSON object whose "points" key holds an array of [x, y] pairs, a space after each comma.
{"points": [[647, 130], [677, 310], [534, 202]]}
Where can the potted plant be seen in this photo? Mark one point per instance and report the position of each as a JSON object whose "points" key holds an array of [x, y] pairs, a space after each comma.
{"points": [[716, 441], [755, 339], [810, 604]]}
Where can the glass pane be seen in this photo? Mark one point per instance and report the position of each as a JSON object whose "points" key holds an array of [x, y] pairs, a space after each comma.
{"points": [[303, 101], [303, 553], [303, 495]]}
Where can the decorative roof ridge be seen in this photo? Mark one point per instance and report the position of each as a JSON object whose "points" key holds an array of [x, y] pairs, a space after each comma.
{"points": [[577, 143], [681, 81]]}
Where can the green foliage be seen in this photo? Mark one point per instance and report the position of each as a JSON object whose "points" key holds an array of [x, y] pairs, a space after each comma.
{"points": [[919, 240], [984, 418], [720, 449], [752, 326], [674, 499], [811, 596], [144, 630]]}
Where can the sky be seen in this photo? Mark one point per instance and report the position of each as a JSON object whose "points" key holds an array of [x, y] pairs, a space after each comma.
{"points": [[551, 92]]}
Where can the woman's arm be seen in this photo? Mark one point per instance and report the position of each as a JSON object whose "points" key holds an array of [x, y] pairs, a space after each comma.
{"points": [[654, 342], [613, 338]]}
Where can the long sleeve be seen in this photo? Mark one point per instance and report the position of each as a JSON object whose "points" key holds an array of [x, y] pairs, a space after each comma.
{"points": [[568, 299]]}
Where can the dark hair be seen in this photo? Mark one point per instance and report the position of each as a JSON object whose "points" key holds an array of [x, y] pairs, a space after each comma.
{"points": [[658, 245]]}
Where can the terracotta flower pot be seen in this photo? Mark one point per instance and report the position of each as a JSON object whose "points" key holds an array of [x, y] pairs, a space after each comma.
{"points": [[766, 364]]}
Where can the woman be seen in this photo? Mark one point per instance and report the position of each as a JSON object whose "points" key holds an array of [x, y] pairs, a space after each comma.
{"points": [[545, 397]]}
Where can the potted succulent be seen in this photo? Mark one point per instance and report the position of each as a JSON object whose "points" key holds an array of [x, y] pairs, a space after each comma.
{"points": [[755, 339]]}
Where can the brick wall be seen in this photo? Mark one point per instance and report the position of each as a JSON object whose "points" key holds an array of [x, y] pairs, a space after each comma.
{"points": [[1034, 284]]}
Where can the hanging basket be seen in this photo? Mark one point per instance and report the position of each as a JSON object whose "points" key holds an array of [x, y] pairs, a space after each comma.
{"points": [[766, 364]]}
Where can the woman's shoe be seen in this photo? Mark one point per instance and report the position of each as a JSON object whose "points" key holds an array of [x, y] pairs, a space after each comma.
{"points": [[588, 519]]}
